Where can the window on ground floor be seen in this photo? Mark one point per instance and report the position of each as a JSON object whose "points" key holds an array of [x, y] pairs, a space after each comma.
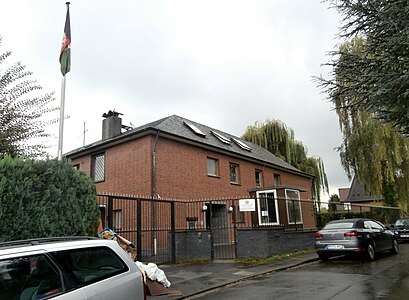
{"points": [[267, 207], [293, 206], [117, 218]]}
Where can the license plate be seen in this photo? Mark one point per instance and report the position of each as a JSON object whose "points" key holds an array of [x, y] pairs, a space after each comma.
{"points": [[404, 235], [335, 247]]}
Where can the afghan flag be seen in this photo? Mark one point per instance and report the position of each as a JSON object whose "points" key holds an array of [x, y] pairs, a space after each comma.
{"points": [[65, 54]]}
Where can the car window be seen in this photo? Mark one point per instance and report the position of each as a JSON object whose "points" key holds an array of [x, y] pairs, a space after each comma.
{"points": [[367, 225], [29, 277], [86, 266], [402, 222], [375, 225], [340, 225]]}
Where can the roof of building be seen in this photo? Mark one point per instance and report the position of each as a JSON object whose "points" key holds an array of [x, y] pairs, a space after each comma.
{"points": [[193, 132], [343, 194], [357, 193]]}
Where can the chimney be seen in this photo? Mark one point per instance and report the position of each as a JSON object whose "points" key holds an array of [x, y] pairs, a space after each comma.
{"points": [[111, 125]]}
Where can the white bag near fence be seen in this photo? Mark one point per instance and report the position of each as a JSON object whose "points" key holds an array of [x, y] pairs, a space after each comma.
{"points": [[154, 273]]}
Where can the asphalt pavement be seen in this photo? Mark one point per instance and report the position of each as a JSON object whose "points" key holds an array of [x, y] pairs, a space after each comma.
{"points": [[189, 280]]}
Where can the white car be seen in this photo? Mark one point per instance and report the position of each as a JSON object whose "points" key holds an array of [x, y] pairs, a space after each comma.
{"points": [[68, 268]]}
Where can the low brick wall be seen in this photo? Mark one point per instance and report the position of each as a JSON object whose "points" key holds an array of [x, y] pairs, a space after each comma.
{"points": [[266, 242], [255, 243], [193, 244]]}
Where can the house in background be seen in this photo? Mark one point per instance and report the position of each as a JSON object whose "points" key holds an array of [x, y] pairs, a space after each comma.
{"points": [[343, 194], [358, 195], [181, 160]]}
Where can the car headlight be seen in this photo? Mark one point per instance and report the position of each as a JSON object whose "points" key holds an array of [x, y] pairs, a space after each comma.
{"points": [[396, 232]]}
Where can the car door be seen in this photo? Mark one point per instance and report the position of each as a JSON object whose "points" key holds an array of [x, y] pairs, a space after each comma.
{"points": [[33, 276], [101, 273], [382, 237]]}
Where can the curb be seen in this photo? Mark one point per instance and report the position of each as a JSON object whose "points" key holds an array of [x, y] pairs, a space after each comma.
{"points": [[272, 270]]}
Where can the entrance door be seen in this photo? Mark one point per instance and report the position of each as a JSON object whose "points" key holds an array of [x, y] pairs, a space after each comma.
{"points": [[218, 221]]}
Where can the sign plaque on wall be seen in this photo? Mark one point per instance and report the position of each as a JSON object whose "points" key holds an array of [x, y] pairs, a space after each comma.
{"points": [[247, 205]]}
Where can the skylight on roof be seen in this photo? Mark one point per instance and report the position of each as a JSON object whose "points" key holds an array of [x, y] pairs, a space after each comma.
{"points": [[241, 144], [222, 138], [194, 129]]}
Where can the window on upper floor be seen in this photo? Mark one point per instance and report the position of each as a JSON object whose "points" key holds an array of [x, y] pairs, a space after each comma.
{"points": [[234, 173], [277, 180], [98, 167], [212, 166], [259, 178]]}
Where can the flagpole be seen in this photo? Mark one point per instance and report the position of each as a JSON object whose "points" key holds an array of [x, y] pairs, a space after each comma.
{"points": [[61, 130], [66, 43]]}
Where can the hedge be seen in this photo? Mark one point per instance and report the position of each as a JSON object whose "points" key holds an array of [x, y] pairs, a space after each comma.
{"points": [[44, 198]]}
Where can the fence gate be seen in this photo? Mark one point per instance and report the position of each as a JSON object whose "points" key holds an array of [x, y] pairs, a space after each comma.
{"points": [[148, 223], [220, 223]]}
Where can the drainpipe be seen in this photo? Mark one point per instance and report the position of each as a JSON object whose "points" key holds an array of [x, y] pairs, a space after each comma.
{"points": [[154, 195]]}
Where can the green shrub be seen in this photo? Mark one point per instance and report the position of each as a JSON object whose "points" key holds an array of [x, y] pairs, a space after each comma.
{"points": [[44, 198]]}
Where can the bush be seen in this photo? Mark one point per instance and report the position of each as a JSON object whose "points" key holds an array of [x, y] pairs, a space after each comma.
{"points": [[44, 198]]}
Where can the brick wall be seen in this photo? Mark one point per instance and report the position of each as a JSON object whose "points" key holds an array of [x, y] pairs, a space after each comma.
{"points": [[266, 242]]}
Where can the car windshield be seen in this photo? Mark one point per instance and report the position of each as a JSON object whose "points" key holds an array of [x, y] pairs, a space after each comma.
{"points": [[340, 225], [402, 222]]}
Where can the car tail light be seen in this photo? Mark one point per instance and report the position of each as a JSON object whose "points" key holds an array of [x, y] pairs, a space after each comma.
{"points": [[318, 235], [351, 233]]}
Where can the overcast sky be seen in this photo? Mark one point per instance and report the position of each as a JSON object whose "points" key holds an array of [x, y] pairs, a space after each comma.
{"points": [[225, 64]]}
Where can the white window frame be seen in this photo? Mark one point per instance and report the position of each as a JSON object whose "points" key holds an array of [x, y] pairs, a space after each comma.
{"points": [[262, 214], [290, 200]]}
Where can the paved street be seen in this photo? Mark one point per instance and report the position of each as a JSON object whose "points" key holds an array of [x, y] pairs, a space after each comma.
{"points": [[338, 279]]}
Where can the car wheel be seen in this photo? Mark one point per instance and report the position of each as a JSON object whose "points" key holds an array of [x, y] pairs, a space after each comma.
{"points": [[322, 256], [395, 247], [370, 252]]}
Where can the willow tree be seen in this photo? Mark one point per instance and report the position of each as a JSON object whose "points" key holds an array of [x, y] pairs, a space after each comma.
{"points": [[376, 79], [374, 151], [24, 111], [274, 136]]}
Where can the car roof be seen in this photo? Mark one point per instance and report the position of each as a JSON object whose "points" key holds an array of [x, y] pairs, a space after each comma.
{"points": [[50, 244], [351, 220]]}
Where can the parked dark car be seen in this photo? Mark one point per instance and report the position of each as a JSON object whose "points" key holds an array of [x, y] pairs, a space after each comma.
{"points": [[401, 230], [354, 236]]}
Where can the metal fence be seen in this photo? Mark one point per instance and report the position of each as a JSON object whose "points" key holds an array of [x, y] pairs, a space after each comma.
{"points": [[327, 211], [159, 228]]}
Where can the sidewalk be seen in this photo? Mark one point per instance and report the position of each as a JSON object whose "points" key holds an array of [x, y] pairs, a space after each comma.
{"points": [[198, 278]]}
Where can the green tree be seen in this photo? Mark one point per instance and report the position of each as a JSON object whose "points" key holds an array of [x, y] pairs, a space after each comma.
{"points": [[333, 201], [23, 112], [375, 79], [44, 198], [274, 136], [372, 150]]}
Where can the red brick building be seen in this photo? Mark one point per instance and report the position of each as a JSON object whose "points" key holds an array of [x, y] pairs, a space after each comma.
{"points": [[175, 158]]}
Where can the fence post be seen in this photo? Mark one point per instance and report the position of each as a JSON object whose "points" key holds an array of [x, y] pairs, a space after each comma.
{"points": [[139, 229], [234, 212], [211, 231], [173, 232], [110, 211]]}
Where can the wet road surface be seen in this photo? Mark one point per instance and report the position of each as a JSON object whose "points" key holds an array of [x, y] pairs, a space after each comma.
{"points": [[337, 279]]}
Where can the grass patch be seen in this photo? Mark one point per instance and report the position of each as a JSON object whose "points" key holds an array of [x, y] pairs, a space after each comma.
{"points": [[266, 260]]}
